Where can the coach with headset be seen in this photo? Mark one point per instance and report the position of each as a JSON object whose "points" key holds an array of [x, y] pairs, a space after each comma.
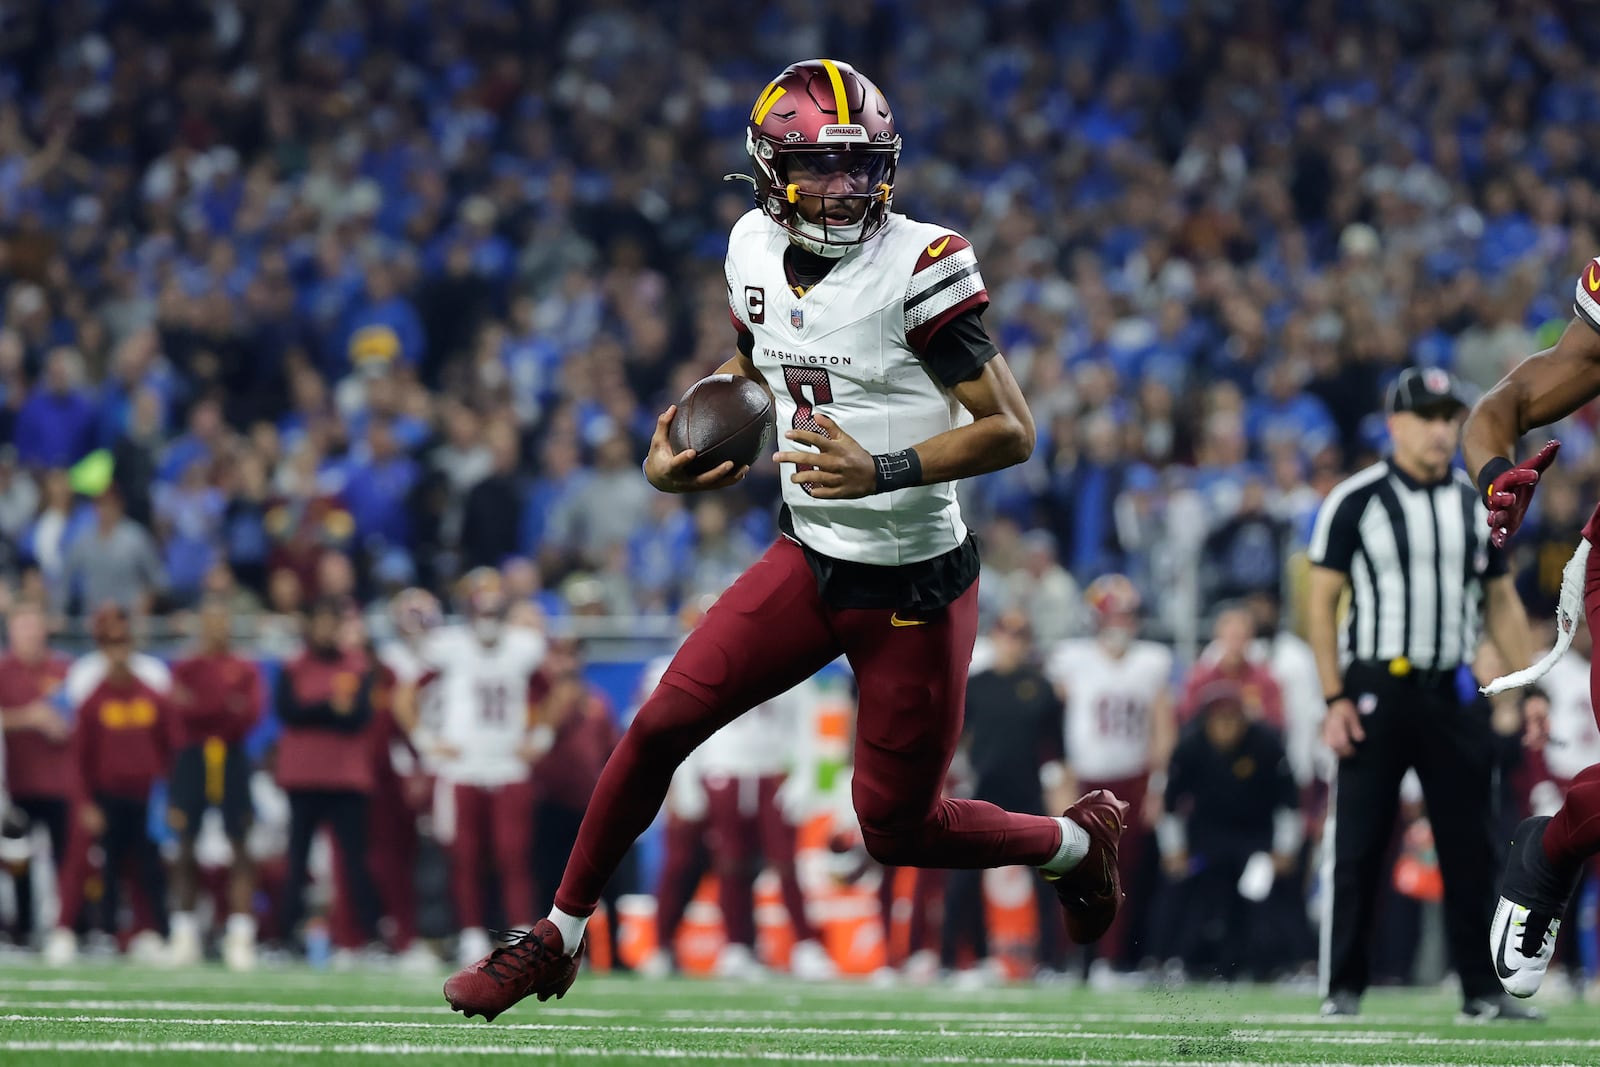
{"points": [[1408, 537]]}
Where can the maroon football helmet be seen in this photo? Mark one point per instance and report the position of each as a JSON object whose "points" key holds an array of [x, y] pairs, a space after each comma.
{"points": [[822, 119]]}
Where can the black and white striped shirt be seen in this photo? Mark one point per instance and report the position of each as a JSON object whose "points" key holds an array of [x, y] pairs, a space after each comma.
{"points": [[1417, 556]]}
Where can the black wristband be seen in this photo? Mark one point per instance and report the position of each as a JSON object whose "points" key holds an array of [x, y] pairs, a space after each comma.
{"points": [[1492, 470], [897, 470], [1343, 694]]}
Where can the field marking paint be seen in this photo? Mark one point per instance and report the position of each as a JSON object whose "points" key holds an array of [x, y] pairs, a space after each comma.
{"points": [[746, 1015], [247, 1048], [1240, 1036]]}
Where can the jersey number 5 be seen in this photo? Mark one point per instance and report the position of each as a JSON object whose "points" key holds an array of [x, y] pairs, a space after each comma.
{"points": [[800, 379]]}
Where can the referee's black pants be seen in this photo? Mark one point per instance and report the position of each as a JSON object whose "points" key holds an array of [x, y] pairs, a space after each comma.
{"points": [[1422, 725]]}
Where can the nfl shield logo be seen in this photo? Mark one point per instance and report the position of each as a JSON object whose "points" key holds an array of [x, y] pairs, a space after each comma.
{"points": [[797, 318]]}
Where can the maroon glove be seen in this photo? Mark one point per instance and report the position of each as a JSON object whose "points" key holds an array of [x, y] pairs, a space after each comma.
{"points": [[1509, 490]]}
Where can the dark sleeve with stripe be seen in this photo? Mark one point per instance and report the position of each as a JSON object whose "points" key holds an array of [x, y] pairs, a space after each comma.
{"points": [[1344, 534], [958, 351]]}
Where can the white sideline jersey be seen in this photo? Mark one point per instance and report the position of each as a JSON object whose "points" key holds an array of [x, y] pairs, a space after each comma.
{"points": [[1109, 699], [1574, 737], [481, 702], [849, 347]]}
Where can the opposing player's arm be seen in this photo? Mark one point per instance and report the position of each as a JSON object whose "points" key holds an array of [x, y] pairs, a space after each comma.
{"points": [[1542, 389]]}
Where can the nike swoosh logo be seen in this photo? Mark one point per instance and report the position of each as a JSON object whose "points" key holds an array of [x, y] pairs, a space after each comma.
{"points": [[1500, 967], [936, 250], [896, 620], [1592, 279]]}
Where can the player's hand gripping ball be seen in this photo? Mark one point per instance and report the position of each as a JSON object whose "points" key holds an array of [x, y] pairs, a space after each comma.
{"points": [[708, 439]]}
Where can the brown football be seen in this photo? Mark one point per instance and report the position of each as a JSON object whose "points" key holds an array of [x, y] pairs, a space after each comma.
{"points": [[722, 417]]}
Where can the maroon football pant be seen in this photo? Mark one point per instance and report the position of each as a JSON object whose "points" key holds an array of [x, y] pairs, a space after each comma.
{"points": [[746, 827], [769, 632], [493, 824], [1573, 835]]}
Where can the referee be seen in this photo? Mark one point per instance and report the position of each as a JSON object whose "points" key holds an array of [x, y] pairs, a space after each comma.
{"points": [[1408, 536]]}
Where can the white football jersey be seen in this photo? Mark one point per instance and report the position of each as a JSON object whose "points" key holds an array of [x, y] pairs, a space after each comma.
{"points": [[1574, 738], [482, 702], [848, 348], [1109, 701]]}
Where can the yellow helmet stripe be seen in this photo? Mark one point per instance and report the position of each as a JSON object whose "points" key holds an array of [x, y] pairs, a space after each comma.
{"points": [[764, 105], [841, 102]]}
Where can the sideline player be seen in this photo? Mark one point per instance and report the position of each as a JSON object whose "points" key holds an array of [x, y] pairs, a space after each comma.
{"points": [[844, 311], [483, 747], [219, 697], [1120, 725], [1547, 852]]}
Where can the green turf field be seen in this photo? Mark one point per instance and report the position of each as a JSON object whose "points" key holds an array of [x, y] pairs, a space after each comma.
{"points": [[114, 1014]]}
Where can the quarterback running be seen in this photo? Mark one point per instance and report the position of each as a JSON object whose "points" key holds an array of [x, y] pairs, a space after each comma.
{"points": [[866, 328], [1547, 852]]}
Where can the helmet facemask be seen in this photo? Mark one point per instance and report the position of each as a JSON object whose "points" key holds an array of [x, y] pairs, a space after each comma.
{"points": [[830, 198]]}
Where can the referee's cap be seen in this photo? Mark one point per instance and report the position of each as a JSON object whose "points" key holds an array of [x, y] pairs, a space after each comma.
{"points": [[1425, 390]]}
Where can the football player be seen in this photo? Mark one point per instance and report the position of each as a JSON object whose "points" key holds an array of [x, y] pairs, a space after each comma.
{"points": [[866, 328], [219, 697], [482, 747], [1120, 724], [1547, 852]]}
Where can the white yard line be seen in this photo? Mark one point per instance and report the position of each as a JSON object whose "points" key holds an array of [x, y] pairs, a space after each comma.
{"points": [[246, 1048], [1240, 1036], [740, 1015]]}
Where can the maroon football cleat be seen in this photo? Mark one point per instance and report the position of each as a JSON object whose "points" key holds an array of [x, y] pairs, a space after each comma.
{"points": [[1092, 891], [530, 963]]}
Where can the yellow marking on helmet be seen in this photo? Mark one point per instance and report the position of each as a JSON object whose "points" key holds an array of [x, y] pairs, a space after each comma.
{"points": [[764, 105], [884, 189], [792, 191], [841, 103], [762, 99]]}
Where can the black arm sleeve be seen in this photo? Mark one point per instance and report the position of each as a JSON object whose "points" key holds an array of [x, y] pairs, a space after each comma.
{"points": [[746, 343], [959, 350]]}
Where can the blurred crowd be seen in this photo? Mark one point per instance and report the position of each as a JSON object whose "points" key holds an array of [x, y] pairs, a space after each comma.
{"points": [[410, 280]]}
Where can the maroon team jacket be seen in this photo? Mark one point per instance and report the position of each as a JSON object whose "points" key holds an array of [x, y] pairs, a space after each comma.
{"points": [[124, 738], [35, 765], [325, 704], [218, 696]]}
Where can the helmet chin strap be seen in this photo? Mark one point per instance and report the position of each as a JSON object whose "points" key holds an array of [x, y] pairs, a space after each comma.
{"points": [[808, 235]]}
